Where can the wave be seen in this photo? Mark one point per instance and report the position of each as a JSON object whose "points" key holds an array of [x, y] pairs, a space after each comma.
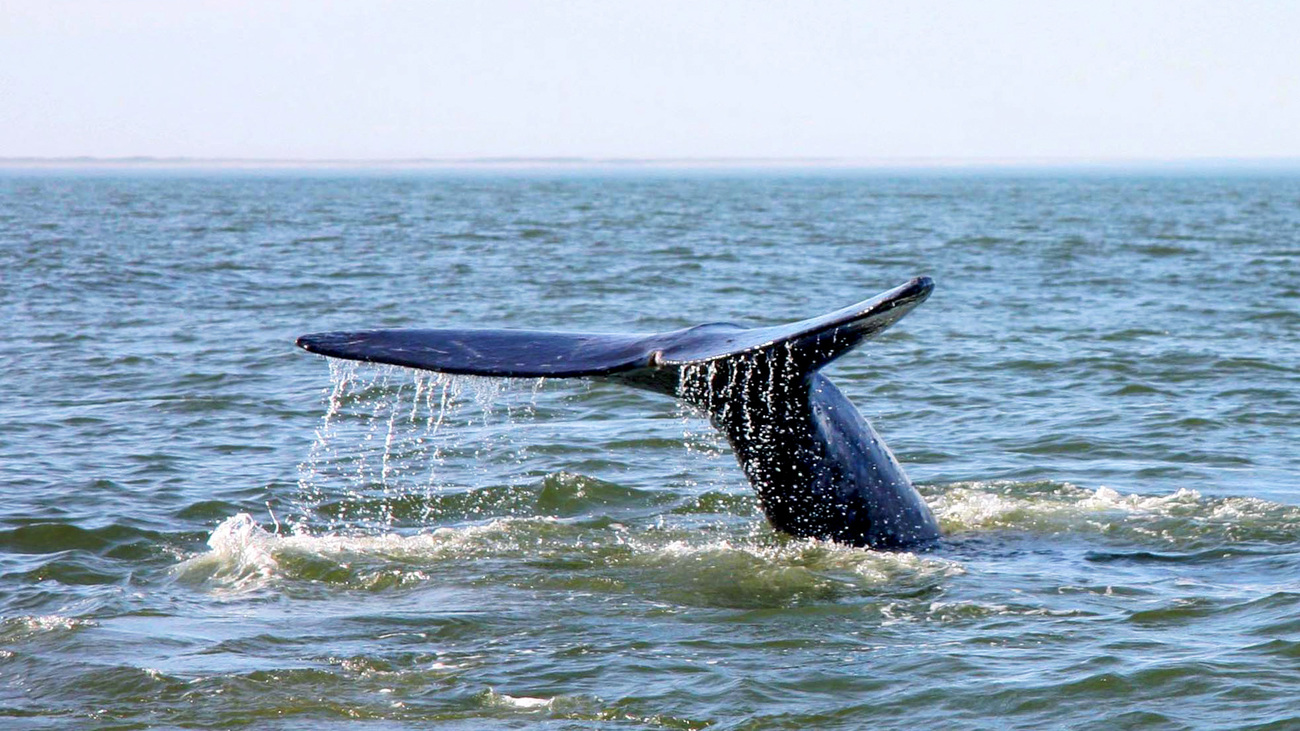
{"points": [[1185, 519], [17, 629], [709, 567], [561, 494], [591, 537]]}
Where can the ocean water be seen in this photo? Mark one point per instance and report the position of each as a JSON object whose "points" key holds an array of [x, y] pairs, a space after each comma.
{"points": [[204, 527]]}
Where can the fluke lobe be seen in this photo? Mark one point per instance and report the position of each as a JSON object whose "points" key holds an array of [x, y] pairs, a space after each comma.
{"points": [[818, 467]]}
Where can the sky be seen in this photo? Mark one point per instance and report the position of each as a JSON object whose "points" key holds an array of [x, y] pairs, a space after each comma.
{"points": [[874, 81]]}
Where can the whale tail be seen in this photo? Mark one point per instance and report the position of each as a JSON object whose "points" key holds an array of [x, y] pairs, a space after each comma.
{"points": [[648, 361], [818, 467]]}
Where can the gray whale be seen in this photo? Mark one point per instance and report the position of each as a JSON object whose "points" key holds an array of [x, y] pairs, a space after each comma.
{"points": [[819, 469]]}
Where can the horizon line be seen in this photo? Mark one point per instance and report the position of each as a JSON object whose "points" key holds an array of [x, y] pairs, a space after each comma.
{"points": [[669, 162]]}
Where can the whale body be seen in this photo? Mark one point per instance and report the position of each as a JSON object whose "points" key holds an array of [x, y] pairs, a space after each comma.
{"points": [[817, 466]]}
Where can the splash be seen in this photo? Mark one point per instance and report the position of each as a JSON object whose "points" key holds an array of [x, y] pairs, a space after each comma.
{"points": [[241, 555], [730, 391], [1182, 519], [726, 566], [492, 699], [16, 629], [395, 436]]}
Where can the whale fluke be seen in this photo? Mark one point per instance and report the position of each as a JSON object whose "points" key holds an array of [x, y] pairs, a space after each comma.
{"points": [[535, 353], [818, 467]]}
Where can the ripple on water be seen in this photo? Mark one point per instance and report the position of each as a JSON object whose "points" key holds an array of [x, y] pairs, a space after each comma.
{"points": [[569, 556]]}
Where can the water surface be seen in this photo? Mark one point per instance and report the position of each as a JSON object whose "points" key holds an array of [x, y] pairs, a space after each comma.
{"points": [[204, 527]]}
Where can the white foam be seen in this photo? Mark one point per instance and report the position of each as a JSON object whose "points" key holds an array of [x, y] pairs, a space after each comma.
{"points": [[522, 703], [244, 556], [27, 626], [788, 566], [977, 505], [241, 555], [1176, 518]]}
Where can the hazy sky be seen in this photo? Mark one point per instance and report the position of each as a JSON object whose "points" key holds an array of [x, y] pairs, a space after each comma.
{"points": [[1140, 79]]}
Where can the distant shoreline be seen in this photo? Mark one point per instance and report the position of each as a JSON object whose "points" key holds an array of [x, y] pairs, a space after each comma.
{"points": [[506, 164]]}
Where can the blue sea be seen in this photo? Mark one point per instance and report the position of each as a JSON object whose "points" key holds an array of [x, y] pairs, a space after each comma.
{"points": [[204, 527]]}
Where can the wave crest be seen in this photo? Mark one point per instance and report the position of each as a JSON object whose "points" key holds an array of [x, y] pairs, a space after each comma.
{"points": [[1182, 519]]}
